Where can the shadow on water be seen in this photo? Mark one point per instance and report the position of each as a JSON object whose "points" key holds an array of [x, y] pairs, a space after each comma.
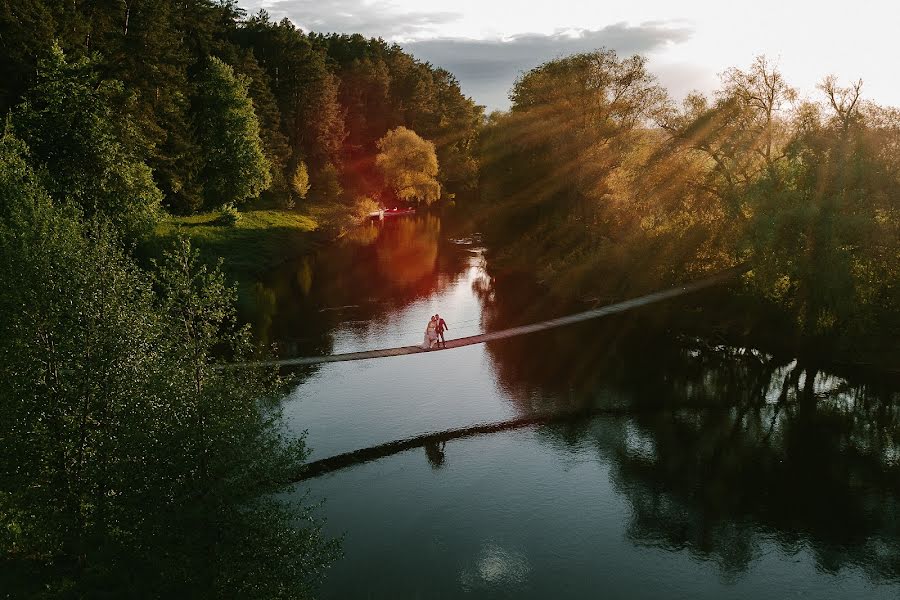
{"points": [[717, 449], [783, 450], [724, 449]]}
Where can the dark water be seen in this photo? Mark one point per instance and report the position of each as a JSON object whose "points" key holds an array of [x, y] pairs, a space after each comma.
{"points": [[684, 468]]}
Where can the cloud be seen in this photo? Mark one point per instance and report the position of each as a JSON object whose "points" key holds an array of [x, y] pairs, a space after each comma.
{"points": [[486, 69], [372, 18]]}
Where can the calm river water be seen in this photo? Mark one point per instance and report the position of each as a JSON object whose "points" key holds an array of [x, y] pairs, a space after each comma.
{"points": [[691, 469]]}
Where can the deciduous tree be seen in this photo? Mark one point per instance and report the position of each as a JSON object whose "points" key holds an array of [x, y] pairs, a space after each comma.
{"points": [[131, 463], [234, 168], [78, 126], [409, 165]]}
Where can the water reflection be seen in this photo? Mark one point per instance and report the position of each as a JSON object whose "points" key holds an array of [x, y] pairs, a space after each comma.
{"points": [[725, 447], [495, 567], [374, 269], [732, 457], [408, 257], [434, 450]]}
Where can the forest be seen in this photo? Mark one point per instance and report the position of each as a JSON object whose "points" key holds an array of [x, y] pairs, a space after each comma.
{"points": [[606, 187], [166, 76], [134, 464]]}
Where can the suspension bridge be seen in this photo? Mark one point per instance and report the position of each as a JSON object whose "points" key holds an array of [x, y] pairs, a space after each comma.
{"points": [[481, 338]]}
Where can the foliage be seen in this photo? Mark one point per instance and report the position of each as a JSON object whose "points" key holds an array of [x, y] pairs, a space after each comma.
{"points": [[364, 206], [27, 33], [300, 180], [229, 215], [132, 464], [409, 165], [595, 180], [275, 143], [557, 170], [383, 88], [260, 241], [328, 184], [234, 168], [318, 99], [77, 126]]}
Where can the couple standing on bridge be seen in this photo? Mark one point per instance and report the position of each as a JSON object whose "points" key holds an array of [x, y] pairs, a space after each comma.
{"points": [[434, 333]]}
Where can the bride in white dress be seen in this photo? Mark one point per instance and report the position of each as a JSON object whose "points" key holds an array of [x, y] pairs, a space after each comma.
{"points": [[431, 335]]}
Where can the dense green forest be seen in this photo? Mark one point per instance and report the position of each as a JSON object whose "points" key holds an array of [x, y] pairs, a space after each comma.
{"points": [[132, 465], [606, 187], [172, 78]]}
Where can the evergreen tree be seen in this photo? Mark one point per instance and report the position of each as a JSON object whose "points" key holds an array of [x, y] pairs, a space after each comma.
{"points": [[275, 144], [26, 31], [148, 52]]}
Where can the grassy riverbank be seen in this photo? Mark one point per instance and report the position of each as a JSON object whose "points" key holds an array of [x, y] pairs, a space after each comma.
{"points": [[258, 242]]}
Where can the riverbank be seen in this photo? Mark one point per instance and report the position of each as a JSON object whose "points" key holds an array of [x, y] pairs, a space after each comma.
{"points": [[257, 243]]}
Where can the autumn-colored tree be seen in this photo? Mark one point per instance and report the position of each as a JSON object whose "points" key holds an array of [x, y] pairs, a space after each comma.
{"points": [[300, 180], [409, 165]]}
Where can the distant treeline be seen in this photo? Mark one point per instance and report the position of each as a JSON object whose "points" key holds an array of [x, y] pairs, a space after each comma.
{"points": [[605, 186], [319, 102]]}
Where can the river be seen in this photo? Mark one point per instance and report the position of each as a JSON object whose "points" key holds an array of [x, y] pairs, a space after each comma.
{"points": [[663, 465]]}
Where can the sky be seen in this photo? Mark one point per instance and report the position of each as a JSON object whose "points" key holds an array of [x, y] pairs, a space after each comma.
{"points": [[488, 43]]}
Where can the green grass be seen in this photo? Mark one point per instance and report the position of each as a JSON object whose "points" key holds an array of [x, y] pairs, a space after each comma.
{"points": [[258, 242]]}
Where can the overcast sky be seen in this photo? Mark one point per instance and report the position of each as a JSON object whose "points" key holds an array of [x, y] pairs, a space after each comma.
{"points": [[487, 43]]}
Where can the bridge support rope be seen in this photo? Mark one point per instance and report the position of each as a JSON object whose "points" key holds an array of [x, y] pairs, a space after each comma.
{"points": [[481, 338]]}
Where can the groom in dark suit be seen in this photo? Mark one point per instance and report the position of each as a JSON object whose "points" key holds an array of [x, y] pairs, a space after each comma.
{"points": [[441, 328]]}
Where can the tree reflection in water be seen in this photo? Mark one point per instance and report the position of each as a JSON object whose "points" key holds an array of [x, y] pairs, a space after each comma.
{"points": [[375, 268], [723, 449], [409, 256], [720, 451]]}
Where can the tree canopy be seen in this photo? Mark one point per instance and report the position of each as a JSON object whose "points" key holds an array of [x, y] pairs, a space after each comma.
{"points": [[597, 180], [409, 165], [324, 100], [233, 166], [131, 464], [78, 128]]}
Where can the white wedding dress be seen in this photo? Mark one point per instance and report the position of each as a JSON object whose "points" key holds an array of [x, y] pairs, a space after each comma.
{"points": [[430, 336]]}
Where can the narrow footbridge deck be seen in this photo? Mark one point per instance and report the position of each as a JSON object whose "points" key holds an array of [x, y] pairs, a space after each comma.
{"points": [[512, 331]]}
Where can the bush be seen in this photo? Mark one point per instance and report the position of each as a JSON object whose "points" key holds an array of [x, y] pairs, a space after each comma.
{"points": [[362, 207], [230, 215]]}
